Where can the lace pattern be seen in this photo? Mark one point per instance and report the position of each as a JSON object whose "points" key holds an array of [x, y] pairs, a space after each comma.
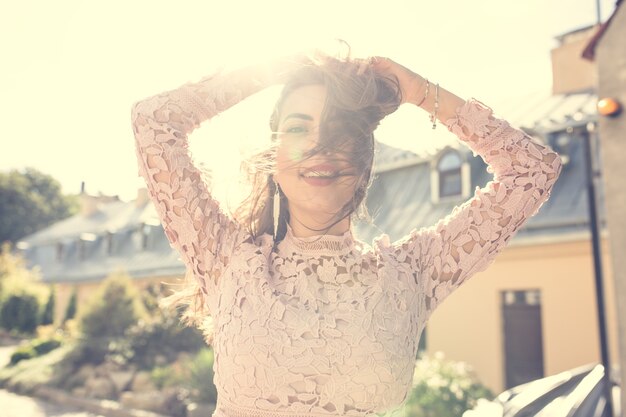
{"points": [[326, 326]]}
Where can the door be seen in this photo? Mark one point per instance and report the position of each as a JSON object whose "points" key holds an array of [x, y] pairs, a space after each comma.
{"points": [[523, 341]]}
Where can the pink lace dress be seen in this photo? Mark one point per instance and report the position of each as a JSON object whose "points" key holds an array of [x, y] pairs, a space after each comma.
{"points": [[326, 326]]}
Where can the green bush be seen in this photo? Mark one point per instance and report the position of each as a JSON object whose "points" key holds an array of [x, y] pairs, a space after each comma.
{"points": [[20, 312], [44, 346], [70, 311], [163, 337], [113, 309], [169, 376], [443, 388], [48, 313], [203, 389], [22, 353], [36, 347]]}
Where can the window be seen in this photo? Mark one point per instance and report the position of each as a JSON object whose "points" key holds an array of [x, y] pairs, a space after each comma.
{"points": [[85, 241], [450, 179], [450, 176], [109, 243], [60, 251]]}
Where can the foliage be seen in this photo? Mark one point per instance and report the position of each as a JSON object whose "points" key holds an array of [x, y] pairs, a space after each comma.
{"points": [[26, 376], [16, 278], [70, 311], [203, 389], [48, 313], [163, 337], [443, 388], [36, 347], [193, 373], [20, 312], [22, 353], [113, 309], [30, 201]]}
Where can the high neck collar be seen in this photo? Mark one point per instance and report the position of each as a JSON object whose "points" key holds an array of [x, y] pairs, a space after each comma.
{"points": [[318, 245]]}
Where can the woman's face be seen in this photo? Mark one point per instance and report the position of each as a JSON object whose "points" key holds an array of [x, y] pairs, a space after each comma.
{"points": [[317, 186]]}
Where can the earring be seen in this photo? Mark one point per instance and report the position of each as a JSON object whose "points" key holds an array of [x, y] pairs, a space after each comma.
{"points": [[276, 209]]}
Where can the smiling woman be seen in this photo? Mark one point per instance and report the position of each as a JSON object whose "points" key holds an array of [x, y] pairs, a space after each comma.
{"points": [[323, 148], [306, 319]]}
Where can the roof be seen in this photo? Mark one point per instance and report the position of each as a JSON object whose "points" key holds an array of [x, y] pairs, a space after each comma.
{"points": [[590, 50], [399, 200]]}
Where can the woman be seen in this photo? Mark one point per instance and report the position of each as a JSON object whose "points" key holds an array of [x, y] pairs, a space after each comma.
{"points": [[307, 320]]}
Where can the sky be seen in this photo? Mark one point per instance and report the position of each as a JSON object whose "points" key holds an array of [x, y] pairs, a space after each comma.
{"points": [[72, 69]]}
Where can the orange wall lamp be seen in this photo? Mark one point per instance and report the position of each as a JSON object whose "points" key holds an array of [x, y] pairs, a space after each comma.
{"points": [[609, 107]]}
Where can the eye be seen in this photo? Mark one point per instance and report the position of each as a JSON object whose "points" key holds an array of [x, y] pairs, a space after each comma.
{"points": [[294, 130]]}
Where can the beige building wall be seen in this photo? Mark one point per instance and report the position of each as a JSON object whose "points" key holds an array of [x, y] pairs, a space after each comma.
{"points": [[468, 325], [85, 290], [570, 72]]}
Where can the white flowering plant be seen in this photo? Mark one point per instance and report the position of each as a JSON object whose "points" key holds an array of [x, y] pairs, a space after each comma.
{"points": [[443, 388]]}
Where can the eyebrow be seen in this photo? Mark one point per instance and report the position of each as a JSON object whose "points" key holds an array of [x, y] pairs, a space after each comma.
{"points": [[298, 116]]}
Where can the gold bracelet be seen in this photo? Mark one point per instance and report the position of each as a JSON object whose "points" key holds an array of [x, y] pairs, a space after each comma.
{"points": [[425, 94], [433, 117]]}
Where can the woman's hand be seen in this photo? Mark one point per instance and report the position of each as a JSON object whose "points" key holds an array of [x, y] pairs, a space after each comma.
{"points": [[412, 85]]}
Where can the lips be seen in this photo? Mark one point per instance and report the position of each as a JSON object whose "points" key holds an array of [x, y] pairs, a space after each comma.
{"points": [[319, 175], [320, 171]]}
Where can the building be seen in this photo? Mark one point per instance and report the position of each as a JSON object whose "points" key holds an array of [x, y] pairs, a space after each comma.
{"points": [[108, 235], [607, 50]]}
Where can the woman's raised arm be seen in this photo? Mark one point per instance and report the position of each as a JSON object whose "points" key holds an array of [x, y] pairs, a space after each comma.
{"points": [[443, 256], [192, 219]]}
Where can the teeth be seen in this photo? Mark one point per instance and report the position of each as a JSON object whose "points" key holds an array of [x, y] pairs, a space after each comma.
{"points": [[319, 174]]}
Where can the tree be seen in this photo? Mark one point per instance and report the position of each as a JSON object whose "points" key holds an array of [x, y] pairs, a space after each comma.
{"points": [[48, 313], [20, 312], [70, 311], [114, 308], [29, 201]]}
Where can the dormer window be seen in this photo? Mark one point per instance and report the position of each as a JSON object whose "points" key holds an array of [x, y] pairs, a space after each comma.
{"points": [[60, 250], [84, 241], [449, 168], [109, 242], [450, 177]]}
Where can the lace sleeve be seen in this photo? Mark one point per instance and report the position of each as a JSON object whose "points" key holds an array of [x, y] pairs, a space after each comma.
{"points": [[192, 220], [443, 256]]}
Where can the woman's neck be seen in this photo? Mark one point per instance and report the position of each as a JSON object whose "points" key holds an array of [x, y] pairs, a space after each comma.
{"points": [[312, 228]]}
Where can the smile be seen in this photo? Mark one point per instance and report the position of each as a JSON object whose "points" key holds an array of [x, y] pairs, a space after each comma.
{"points": [[320, 175]]}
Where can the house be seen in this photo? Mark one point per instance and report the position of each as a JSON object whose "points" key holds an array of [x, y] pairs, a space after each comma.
{"points": [[107, 235]]}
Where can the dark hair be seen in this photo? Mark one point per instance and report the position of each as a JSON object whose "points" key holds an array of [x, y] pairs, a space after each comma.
{"points": [[355, 105]]}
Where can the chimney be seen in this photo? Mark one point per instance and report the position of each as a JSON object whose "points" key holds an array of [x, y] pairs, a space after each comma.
{"points": [[88, 204], [572, 73], [142, 197]]}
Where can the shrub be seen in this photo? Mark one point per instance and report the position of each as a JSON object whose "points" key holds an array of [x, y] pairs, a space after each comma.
{"points": [[20, 312], [114, 308], [48, 313], [443, 388], [163, 337], [44, 346], [203, 389], [70, 311], [36, 347], [21, 353]]}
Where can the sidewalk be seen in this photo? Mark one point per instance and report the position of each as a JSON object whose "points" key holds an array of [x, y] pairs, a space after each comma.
{"points": [[14, 405]]}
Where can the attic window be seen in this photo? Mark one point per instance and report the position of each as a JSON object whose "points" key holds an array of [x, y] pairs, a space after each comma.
{"points": [[450, 180], [60, 248]]}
